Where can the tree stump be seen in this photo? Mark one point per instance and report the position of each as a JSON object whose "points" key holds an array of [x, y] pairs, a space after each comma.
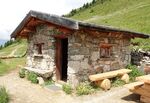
{"points": [[125, 78], [104, 84]]}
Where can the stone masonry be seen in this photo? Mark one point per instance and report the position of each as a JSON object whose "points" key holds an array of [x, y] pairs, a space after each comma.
{"points": [[83, 53], [44, 61]]}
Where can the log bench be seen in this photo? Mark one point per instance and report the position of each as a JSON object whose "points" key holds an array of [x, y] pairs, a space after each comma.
{"points": [[141, 87], [102, 80]]}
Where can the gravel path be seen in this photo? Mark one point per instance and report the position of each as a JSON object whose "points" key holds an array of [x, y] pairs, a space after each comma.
{"points": [[22, 91]]}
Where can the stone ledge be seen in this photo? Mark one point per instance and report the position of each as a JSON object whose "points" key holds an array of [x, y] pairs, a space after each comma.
{"points": [[43, 73]]}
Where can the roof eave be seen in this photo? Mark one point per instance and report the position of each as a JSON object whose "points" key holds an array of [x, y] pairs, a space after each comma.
{"points": [[60, 21], [110, 29]]}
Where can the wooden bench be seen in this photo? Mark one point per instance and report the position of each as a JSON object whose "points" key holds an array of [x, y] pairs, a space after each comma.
{"points": [[103, 81], [141, 87]]}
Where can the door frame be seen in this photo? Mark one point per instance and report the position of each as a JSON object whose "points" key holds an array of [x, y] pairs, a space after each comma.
{"points": [[58, 58]]}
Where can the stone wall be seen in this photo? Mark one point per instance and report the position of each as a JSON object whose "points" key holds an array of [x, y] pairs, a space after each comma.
{"points": [[84, 55], [44, 61]]}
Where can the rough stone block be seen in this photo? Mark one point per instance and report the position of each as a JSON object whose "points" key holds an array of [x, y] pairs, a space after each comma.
{"points": [[40, 80], [95, 56], [106, 68], [77, 57], [73, 80], [84, 64], [74, 66]]}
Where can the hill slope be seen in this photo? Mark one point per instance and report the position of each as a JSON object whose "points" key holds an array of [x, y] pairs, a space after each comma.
{"points": [[15, 49], [126, 14], [131, 15]]}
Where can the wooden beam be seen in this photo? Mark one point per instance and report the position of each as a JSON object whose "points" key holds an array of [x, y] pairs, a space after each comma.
{"points": [[145, 78], [34, 22], [145, 99], [110, 74], [134, 85]]}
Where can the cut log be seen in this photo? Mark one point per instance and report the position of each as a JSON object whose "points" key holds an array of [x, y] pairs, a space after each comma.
{"points": [[141, 78], [146, 87], [111, 74], [145, 99], [125, 78], [145, 78], [104, 84], [134, 85], [141, 91]]}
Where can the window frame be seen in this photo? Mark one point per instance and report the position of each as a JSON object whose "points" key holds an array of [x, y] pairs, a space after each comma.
{"points": [[105, 50], [39, 48]]}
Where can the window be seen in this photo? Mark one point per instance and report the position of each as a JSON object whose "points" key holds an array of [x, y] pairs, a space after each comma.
{"points": [[105, 50], [39, 47]]}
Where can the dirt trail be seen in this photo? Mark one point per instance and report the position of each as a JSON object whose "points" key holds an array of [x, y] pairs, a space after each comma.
{"points": [[22, 91], [13, 52]]}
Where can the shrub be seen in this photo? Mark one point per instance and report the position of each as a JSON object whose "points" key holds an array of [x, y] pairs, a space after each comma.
{"points": [[135, 72], [22, 73], [48, 82], [116, 82], [32, 77], [84, 89], [4, 97], [67, 88], [91, 11]]}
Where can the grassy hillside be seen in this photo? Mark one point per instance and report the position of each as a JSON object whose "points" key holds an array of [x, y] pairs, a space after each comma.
{"points": [[7, 65], [125, 14], [15, 49]]}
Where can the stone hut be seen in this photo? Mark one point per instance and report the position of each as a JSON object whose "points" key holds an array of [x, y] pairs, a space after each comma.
{"points": [[69, 50]]}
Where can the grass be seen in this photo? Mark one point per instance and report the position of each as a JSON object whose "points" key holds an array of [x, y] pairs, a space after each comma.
{"points": [[135, 72], [48, 82], [4, 97], [22, 73], [84, 89], [7, 65], [20, 47], [116, 82], [67, 88], [31, 76], [125, 14]]}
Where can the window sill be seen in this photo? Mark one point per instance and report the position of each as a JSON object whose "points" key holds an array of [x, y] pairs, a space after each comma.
{"points": [[107, 59]]}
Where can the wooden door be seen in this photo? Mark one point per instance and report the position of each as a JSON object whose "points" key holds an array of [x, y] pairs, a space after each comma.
{"points": [[61, 58], [58, 58]]}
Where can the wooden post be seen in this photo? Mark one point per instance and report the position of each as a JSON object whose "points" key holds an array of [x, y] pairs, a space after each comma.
{"points": [[125, 78], [104, 84]]}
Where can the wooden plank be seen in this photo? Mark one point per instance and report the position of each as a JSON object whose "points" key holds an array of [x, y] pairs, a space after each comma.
{"points": [[134, 85], [58, 59], [145, 78], [110, 74], [145, 99], [141, 91], [146, 87]]}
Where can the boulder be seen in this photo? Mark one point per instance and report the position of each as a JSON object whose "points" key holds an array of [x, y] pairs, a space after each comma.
{"points": [[40, 80]]}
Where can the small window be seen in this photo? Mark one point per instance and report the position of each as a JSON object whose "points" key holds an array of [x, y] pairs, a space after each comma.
{"points": [[105, 50], [39, 48]]}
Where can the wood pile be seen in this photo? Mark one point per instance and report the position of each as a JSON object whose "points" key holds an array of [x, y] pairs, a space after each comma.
{"points": [[141, 87]]}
